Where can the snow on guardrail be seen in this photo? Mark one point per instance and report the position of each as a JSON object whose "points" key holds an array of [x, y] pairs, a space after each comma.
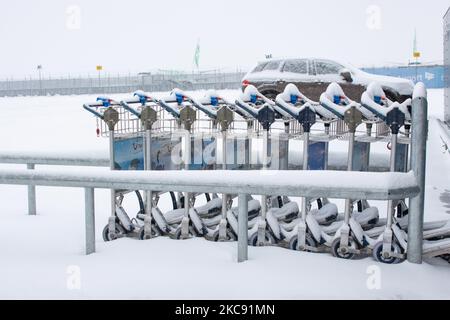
{"points": [[331, 184], [97, 158]]}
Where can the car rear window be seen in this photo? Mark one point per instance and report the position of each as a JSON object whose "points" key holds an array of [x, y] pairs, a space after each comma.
{"points": [[296, 66]]}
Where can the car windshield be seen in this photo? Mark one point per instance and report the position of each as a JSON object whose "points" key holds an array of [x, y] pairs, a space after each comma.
{"points": [[259, 67], [327, 67], [272, 65], [268, 65], [296, 66]]}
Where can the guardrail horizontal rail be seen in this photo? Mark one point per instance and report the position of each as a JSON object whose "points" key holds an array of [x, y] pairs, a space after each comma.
{"points": [[75, 159], [330, 184]]}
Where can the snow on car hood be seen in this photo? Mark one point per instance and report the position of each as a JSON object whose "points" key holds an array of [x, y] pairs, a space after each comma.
{"points": [[402, 86], [266, 75]]}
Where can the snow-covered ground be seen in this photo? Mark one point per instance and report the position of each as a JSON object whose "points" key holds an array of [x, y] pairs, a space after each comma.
{"points": [[42, 256]]}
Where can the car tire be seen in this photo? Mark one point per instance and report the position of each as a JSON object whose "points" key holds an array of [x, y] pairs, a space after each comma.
{"points": [[392, 95], [270, 94]]}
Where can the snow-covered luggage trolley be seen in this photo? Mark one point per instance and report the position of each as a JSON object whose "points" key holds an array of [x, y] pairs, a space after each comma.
{"points": [[178, 109], [280, 222], [135, 127], [124, 125]]}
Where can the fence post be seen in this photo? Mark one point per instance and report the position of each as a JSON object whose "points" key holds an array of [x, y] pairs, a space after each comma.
{"points": [[89, 219], [418, 165], [243, 228], [31, 194]]}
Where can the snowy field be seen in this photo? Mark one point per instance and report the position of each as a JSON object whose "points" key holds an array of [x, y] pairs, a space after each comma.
{"points": [[42, 256]]}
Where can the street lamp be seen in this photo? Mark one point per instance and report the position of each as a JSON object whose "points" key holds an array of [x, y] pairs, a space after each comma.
{"points": [[39, 68], [99, 68]]}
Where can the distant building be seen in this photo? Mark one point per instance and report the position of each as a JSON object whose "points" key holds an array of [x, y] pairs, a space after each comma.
{"points": [[447, 65], [432, 75]]}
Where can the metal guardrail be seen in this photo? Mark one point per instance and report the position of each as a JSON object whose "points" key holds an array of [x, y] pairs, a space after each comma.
{"points": [[61, 160], [33, 159], [383, 186], [311, 184]]}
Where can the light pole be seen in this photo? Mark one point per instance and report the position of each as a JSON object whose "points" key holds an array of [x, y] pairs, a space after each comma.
{"points": [[39, 68], [99, 68]]}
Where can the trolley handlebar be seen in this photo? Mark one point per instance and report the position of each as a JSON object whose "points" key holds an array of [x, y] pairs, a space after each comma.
{"points": [[247, 109], [91, 110], [208, 111], [104, 102], [125, 105], [107, 102], [144, 97], [337, 110], [173, 111], [294, 112]]}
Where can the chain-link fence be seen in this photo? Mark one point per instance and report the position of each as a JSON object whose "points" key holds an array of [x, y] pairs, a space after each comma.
{"points": [[106, 84]]}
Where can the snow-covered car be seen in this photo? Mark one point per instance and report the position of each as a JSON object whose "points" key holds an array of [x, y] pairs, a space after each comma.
{"points": [[312, 76]]}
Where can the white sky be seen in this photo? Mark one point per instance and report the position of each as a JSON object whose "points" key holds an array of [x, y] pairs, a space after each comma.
{"points": [[133, 35]]}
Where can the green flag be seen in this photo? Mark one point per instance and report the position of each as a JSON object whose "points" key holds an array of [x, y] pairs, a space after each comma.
{"points": [[197, 55]]}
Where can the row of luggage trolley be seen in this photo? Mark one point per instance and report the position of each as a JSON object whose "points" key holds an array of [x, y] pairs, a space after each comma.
{"points": [[182, 132]]}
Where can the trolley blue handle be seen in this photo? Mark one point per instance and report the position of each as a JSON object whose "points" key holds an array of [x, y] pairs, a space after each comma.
{"points": [[144, 98], [105, 101]]}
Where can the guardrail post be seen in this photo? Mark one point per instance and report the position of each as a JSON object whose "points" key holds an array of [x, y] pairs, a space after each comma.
{"points": [[31, 194], [243, 228], [418, 165], [89, 219]]}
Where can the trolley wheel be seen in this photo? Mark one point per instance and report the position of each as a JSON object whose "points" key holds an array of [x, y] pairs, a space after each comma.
{"points": [[309, 242], [177, 235], [230, 236], [269, 239], [119, 231], [336, 245], [377, 253], [446, 257], [142, 236]]}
